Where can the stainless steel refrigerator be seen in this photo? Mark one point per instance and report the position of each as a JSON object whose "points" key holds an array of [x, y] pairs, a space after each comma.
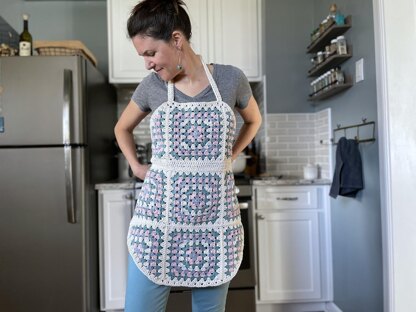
{"points": [[56, 141]]}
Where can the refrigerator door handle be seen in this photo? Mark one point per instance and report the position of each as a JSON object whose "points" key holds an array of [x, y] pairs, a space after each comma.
{"points": [[67, 104], [69, 185]]}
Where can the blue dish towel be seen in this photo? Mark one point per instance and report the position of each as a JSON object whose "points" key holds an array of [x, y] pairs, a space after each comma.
{"points": [[348, 176]]}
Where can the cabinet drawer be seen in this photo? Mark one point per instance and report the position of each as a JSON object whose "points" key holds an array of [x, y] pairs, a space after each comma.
{"points": [[286, 197]]}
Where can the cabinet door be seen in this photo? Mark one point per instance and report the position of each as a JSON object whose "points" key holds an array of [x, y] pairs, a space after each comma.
{"points": [[236, 35], [125, 65], [115, 208], [198, 13], [289, 256]]}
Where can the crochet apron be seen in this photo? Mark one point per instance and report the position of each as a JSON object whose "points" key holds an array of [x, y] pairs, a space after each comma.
{"points": [[186, 228]]}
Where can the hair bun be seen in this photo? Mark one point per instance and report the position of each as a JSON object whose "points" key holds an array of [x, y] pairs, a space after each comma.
{"points": [[159, 18], [166, 3]]}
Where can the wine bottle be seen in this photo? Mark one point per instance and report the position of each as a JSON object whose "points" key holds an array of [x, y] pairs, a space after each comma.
{"points": [[25, 40]]}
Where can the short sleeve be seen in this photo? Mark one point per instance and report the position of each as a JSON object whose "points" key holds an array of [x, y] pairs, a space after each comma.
{"points": [[244, 92], [141, 94]]}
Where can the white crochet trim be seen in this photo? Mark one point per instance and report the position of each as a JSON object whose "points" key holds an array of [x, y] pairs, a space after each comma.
{"points": [[188, 166], [138, 221]]}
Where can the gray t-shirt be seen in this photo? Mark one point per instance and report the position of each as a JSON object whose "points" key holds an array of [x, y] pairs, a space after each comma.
{"points": [[232, 83]]}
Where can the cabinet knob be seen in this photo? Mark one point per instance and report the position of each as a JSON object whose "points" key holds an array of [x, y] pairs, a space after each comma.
{"points": [[129, 196], [259, 217]]}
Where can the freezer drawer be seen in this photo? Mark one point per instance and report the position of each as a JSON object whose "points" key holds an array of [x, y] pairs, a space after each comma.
{"points": [[43, 263]]}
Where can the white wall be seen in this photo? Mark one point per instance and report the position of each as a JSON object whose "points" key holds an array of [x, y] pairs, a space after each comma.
{"points": [[395, 25]]}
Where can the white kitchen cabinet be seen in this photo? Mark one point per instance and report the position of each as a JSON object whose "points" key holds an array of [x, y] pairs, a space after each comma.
{"points": [[223, 31], [125, 65], [293, 244], [289, 266], [236, 35], [115, 211]]}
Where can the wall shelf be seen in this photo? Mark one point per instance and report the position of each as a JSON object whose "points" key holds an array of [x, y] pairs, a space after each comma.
{"points": [[329, 63], [335, 89], [332, 32]]}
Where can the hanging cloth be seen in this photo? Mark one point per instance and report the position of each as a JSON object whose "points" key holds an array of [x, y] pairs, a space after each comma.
{"points": [[348, 176]]}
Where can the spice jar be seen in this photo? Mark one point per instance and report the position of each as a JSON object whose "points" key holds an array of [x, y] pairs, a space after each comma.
{"points": [[339, 75], [333, 76], [327, 51], [333, 47], [341, 45], [320, 57]]}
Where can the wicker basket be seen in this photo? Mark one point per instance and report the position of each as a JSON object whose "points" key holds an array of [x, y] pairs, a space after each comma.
{"points": [[58, 51], [64, 48]]}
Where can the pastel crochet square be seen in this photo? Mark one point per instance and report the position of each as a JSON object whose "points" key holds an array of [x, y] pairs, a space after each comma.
{"points": [[195, 198], [152, 199], [233, 248], [195, 133], [146, 246], [157, 124], [231, 206], [193, 255]]}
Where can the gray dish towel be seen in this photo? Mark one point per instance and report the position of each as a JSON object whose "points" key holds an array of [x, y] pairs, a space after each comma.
{"points": [[348, 176]]}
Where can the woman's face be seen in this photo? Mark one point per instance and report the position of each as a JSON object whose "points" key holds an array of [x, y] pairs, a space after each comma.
{"points": [[160, 56]]}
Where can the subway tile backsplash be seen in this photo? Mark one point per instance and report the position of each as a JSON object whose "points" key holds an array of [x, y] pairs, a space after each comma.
{"points": [[293, 140]]}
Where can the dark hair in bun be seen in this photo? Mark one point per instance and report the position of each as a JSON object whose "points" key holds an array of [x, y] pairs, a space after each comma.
{"points": [[158, 19]]}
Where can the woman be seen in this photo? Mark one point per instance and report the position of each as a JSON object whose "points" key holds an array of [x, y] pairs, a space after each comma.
{"points": [[186, 229]]}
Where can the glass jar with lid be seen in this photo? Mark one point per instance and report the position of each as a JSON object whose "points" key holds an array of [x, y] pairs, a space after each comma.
{"points": [[333, 47], [340, 75], [320, 57], [341, 45], [313, 88]]}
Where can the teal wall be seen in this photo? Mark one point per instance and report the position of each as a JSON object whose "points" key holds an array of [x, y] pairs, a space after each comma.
{"points": [[69, 20]]}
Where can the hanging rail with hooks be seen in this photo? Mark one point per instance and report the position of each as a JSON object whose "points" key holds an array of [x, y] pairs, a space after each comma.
{"points": [[357, 137]]}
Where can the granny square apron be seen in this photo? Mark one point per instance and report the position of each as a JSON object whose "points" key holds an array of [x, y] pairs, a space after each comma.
{"points": [[186, 228]]}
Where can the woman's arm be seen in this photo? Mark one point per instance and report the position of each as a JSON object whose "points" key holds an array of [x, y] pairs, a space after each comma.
{"points": [[252, 121], [129, 119]]}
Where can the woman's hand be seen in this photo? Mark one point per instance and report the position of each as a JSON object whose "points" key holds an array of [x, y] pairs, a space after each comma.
{"points": [[140, 170], [129, 119], [252, 120]]}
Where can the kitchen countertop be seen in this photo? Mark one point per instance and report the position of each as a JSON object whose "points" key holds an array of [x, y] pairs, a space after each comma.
{"points": [[128, 184], [119, 184], [273, 181]]}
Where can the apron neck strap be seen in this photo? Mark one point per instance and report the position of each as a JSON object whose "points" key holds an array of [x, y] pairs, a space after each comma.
{"points": [[171, 93]]}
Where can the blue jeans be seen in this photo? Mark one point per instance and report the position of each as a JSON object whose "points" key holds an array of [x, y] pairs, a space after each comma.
{"points": [[142, 295]]}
